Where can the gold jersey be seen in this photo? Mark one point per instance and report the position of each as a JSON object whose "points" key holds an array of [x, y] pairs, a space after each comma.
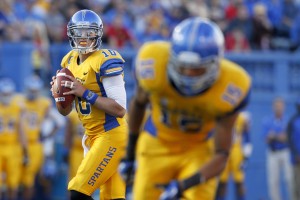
{"points": [[99, 64], [35, 112], [239, 128], [10, 116], [179, 117], [77, 130]]}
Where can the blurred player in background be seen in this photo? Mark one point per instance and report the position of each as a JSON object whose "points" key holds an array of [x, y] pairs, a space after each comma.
{"points": [[193, 95], [278, 157], [101, 107], [11, 134], [36, 109], [239, 155], [52, 123], [73, 147]]}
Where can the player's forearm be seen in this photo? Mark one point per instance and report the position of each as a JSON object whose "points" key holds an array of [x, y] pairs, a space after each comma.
{"points": [[110, 106], [223, 141], [215, 166], [210, 170], [136, 115]]}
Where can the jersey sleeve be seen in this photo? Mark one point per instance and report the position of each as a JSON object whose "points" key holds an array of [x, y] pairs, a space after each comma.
{"points": [[112, 64], [151, 65], [237, 89]]}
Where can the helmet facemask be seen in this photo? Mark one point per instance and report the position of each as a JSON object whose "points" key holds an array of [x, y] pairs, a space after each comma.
{"points": [[85, 38], [33, 87], [190, 74], [7, 89]]}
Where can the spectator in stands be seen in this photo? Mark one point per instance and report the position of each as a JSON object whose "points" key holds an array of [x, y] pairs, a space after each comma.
{"points": [[236, 41], [118, 7], [293, 132], [289, 13], [217, 14], [175, 14], [295, 33], [281, 39], [40, 53], [40, 9], [10, 27], [242, 21], [155, 25], [274, 11], [118, 35], [278, 154], [55, 24], [232, 9], [139, 10], [262, 28], [197, 8]]}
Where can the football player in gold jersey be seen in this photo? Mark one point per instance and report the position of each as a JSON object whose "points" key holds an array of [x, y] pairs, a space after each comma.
{"points": [[36, 108], [239, 154], [193, 96], [73, 137], [101, 105], [11, 134]]}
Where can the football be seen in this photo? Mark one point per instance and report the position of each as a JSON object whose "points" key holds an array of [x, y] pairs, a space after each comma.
{"points": [[62, 100]]}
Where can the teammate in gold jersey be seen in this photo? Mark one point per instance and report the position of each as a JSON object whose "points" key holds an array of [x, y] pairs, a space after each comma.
{"points": [[73, 137], [194, 96], [101, 106], [36, 108], [11, 134], [239, 154]]}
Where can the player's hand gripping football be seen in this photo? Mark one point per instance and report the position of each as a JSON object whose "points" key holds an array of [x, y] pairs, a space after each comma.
{"points": [[172, 191], [76, 87]]}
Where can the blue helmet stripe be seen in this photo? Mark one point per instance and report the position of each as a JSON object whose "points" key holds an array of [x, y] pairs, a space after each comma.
{"points": [[83, 15], [193, 35]]}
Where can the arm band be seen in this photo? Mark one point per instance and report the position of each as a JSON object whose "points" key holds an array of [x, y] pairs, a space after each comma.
{"points": [[90, 96], [133, 137], [192, 181]]}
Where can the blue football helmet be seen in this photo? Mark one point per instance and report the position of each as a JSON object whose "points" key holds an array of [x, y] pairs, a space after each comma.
{"points": [[33, 86], [7, 89], [197, 44], [85, 30]]}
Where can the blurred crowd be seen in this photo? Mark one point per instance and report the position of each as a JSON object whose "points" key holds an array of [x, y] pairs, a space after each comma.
{"points": [[247, 24]]}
